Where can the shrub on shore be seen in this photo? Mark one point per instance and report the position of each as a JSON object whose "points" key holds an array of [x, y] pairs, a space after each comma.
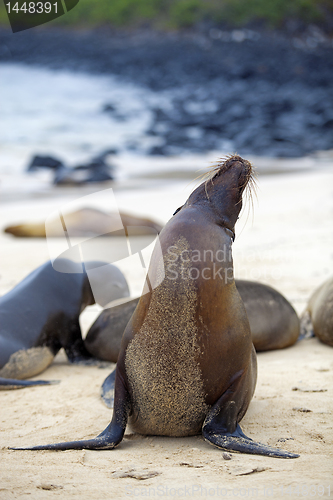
{"points": [[178, 14]]}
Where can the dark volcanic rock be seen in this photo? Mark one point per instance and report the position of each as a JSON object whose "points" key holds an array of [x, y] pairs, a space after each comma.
{"points": [[262, 93], [73, 176], [44, 162], [96, 170]]}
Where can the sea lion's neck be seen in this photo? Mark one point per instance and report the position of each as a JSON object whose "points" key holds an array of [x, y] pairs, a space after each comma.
{"points": [[221, 204]]}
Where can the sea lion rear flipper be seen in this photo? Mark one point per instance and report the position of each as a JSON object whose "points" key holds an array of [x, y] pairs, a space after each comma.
{"points": [[110, 437], [237, 441], [222, 430], [11, 383], [107, 389]]}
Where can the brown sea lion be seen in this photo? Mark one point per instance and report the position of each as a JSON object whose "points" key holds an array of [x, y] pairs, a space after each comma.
{"points": [[273, 322], [187, 364], [40, 315], [87, 222], [320, 311]]}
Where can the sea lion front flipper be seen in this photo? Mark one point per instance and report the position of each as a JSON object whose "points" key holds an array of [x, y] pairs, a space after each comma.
{"points": [[73, 344], [111, 436], [107, 389], [11, 383], [77, 354], [222, 430]]}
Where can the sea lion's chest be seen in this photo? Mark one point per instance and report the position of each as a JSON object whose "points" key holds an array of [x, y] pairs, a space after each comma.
{"points": [[165, 382], [162, 368]]}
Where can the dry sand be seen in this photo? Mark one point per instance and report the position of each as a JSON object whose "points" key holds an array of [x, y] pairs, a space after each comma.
{"points": [[287, 242]]}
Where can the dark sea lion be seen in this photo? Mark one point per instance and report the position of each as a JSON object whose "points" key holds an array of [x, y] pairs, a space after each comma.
{"points": [[273, 322], [187, 364], [40, 315], [320, 312], [87, 222]]}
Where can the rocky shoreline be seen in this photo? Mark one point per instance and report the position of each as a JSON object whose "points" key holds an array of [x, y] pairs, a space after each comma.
{"points": [[257, 93]]}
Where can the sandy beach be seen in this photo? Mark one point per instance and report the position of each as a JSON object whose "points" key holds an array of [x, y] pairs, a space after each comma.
{"points": [[284, 239]]}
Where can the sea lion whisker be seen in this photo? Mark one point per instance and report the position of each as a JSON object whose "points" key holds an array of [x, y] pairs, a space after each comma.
{"points": [[206, 190], [250, 188], [199, 177]]}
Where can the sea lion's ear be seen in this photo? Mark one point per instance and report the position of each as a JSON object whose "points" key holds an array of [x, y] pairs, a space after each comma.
{"points": [[178, 210]]}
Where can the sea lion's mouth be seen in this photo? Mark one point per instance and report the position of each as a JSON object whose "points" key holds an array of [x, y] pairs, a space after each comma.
{"points": [[244, 178], [242, 173]]}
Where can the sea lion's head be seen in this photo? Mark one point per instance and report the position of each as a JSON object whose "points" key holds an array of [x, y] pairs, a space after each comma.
{"points": [[222, 192], [236, 169], [26, 230]]}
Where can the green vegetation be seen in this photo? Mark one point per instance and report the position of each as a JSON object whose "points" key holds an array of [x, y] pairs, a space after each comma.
{"points": [[176, 14]]}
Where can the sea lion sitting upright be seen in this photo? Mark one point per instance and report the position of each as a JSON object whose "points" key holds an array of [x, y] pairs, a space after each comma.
{"points": [[274, 323], [41, 314], [187, 363]]}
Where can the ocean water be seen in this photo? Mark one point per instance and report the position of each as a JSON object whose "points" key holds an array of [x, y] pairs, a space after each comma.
{"points": [[60, 113]]}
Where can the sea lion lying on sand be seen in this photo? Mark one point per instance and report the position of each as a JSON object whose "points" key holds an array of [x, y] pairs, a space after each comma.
{"points": [[87, 222], [273, 322], [318, 317]]}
